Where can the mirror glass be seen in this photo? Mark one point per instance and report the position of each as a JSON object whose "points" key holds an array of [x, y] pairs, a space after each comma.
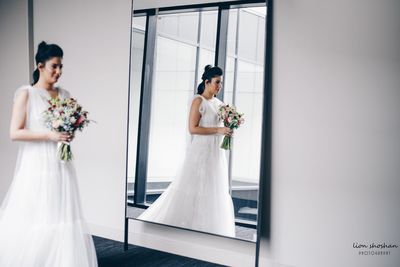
{"points": [[171, 179]]}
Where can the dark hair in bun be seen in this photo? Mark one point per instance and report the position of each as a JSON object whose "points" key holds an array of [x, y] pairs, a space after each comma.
{"points": [[45, 52], [209, 73]]}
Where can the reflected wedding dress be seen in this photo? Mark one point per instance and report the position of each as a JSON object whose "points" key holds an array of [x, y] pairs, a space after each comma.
{"points": [[199, 196], [41, 222]]}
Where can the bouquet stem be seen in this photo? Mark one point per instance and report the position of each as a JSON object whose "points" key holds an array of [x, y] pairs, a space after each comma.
{"points": [[64, 151], [226, 143]]}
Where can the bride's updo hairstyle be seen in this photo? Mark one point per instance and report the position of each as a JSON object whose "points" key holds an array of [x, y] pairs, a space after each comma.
{"points": [[45, 52], [209, 73]]}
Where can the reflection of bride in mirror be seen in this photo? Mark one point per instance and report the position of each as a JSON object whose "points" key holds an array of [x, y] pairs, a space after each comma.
{"points": [[199, 196]]}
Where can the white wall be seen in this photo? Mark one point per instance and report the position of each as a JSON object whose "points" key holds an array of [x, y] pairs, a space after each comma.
{"points": [[336, 128], [14, 72], [226, 251]]}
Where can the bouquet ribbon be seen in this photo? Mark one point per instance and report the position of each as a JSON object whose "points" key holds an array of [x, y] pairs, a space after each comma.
{"points": [[226, 143], [64, 151]]}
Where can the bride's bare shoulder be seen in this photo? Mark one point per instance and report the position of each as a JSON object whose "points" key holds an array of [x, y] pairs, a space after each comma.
{"points": [[22, 92], [197, 99]]}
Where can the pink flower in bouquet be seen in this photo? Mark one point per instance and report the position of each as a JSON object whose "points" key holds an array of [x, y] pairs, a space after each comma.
{"points": [[55, 124], [80, 120]]}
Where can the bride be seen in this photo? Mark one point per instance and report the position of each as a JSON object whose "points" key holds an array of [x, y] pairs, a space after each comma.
{"points": [[199, 196], [41, 221]]}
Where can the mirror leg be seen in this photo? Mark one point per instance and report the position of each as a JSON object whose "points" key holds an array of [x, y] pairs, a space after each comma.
{"points": [[126, 234]]}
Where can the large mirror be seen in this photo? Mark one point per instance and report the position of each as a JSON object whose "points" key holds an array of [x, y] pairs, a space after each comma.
{"points": [[171, 179]]}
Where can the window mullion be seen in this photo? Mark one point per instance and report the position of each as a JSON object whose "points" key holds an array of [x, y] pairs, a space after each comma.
{"points": [[145, 108], [221, 42]]}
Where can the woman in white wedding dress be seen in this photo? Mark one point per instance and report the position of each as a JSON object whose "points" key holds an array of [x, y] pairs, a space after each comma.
{"points": [[199, 196], [41, 221]]}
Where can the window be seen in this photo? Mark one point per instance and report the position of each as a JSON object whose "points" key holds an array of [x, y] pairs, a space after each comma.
{"points": [[244, 82]]}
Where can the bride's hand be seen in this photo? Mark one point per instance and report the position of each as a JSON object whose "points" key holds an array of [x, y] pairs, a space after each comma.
{"points": [[71, 137], [225, 131], [59, 137]]}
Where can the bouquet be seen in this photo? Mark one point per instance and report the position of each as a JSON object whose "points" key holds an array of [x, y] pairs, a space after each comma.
{"points": [[231, 119], [65, 116]]}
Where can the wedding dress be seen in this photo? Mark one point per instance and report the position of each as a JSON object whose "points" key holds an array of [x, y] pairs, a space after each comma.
{"points": [[199, 196], [41, 222]]}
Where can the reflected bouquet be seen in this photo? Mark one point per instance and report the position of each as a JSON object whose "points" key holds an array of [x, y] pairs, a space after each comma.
{"points": [[65, 116], [231, 119]]}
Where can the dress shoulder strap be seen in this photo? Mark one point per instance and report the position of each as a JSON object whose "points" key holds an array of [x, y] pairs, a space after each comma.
{"points": [[203, 104], [21, 89], [198, 96]]}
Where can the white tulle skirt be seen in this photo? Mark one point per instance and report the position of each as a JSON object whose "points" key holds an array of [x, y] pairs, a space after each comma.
{"points": [[41, 222], [199, 196]]}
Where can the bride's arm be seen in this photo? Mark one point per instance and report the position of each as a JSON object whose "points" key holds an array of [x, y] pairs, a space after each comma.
{"points": [[194, 119], [17, 127]]}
